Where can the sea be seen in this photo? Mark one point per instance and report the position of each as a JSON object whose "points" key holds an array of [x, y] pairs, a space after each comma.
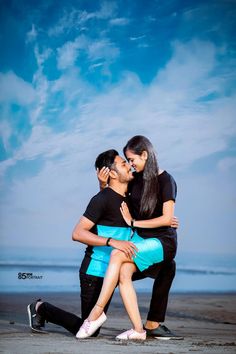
{"points": [[57, 270]]}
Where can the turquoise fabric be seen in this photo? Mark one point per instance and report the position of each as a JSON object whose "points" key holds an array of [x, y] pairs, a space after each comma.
{"points": [[101, 254], [150, 251]]}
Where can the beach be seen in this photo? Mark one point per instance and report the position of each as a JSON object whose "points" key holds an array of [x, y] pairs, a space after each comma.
{"points": [[206, 321]]}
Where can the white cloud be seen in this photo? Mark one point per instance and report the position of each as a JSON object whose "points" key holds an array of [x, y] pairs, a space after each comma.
{"points": [[69, 20], [171, 111], [107, 10], [138, 38], [6, 132], [170, 105], [41, 91], [119, 21], [206, 205], [31, 35], [97, 65], [95, 50], [75, 92], [74, 19], [52, 210], [227, 164], [14, 89], [190, 67], [69, 52], [42, 56], [103, 49]]}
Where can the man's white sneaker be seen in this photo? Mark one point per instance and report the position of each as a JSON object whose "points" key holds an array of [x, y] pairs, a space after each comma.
{"points": [[131, 334], [88, 328]]}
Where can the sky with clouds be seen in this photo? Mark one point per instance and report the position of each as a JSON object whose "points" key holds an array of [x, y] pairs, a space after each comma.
{"points": [[80, 77]]}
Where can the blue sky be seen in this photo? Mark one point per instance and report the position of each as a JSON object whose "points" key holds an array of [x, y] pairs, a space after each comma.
{"points": [[79, 77]]}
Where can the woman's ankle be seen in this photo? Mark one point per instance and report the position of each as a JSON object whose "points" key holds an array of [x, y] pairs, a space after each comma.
{"points": [[139, 329], [96, 312]]}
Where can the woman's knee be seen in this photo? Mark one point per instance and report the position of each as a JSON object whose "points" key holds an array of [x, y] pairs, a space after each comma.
{"points": [[126, 273], [117, 254]]}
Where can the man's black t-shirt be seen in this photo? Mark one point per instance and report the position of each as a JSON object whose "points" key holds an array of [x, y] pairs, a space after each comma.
{"points": [[104, 211]]}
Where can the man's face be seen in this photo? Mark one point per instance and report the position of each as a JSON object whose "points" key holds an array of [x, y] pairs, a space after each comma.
{"points": [[123, 169]]}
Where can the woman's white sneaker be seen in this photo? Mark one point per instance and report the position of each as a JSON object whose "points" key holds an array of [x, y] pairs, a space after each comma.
{"points": [[131, 334], [88, 328]]}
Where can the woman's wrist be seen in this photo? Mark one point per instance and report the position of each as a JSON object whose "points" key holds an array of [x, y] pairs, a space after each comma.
{"points": [[132, 223], [102, 185]]}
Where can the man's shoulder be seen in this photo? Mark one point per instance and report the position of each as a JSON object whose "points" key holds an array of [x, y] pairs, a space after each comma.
{"points": [[102, 195], [97, 206]]}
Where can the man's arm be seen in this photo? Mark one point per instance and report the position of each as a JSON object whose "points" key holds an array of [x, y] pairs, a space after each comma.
{"points": [[83, 234]]}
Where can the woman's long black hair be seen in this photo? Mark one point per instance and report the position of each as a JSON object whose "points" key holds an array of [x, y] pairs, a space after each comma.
{"points": [[149, 197]]}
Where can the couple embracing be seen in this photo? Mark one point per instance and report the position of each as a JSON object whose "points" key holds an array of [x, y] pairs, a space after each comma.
{"points": [[130, 230]]}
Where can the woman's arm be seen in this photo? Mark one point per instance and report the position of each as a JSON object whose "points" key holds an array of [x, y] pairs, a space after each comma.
{"points": [[166, 219], [102, 176]]}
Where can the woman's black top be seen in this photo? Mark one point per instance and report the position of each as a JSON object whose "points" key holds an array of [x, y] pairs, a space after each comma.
{"points": [[167, 190]]}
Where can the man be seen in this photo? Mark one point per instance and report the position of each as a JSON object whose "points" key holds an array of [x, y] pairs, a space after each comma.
{"points": [[103, 228]]}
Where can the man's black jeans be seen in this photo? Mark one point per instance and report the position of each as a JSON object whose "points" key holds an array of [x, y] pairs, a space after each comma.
{"points": [[90, 290]]}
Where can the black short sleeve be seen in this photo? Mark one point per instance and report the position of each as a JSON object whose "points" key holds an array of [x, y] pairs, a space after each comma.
{"points": [[168, 188], [95, 209]]}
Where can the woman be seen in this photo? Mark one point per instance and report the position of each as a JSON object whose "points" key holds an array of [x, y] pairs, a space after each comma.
{"points": [[152, 193]]}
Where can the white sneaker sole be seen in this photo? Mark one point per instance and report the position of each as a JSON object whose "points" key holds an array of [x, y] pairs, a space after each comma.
{"points": [[130, 339], [168, 338]]}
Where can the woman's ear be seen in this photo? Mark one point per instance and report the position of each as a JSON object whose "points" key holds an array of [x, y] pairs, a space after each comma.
{"points": [[144, 155]]}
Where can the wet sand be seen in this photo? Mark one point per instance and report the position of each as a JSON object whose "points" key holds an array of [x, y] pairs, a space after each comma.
{"points": [[206, 321]]}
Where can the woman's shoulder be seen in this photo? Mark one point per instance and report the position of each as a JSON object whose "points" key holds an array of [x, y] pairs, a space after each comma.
{"points": [[165, 176]]}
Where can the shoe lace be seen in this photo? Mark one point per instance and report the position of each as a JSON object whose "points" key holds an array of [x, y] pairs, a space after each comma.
{"points": [[86, 325], [165, 329], [129, 332]]}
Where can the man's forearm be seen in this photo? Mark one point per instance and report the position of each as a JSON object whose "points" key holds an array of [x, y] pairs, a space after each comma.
{"points": [[88, 238]]}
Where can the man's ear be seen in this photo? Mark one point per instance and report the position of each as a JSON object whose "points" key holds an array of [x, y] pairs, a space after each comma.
{"points": [[144, 155], [112, 174]]}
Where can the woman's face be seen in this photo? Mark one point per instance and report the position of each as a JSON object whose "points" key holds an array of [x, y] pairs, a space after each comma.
{"points": [[136, 161]]}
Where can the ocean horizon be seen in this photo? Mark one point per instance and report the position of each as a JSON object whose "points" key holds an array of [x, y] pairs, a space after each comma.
{"points": [[57, 270]]}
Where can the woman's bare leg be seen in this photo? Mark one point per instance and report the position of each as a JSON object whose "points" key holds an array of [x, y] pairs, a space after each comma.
{"points": [[129, 296], [110, 281]]}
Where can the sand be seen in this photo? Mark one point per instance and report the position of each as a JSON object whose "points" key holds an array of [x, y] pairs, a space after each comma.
{"points": [[206, 321]]}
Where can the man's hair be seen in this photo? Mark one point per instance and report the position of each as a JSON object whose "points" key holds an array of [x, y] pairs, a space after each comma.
{"points": [[106, 159]]}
